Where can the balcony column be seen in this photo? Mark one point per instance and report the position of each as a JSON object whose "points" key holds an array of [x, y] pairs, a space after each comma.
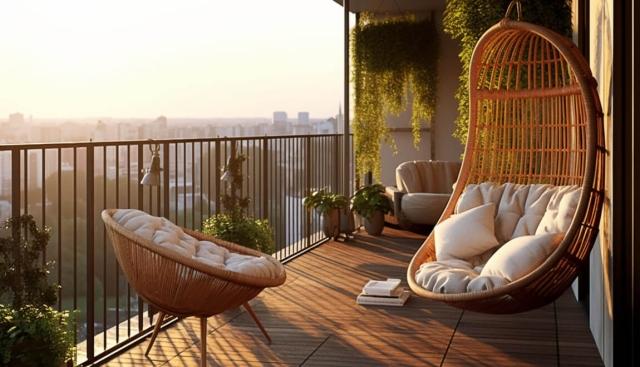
{"points": [[346, 151]]}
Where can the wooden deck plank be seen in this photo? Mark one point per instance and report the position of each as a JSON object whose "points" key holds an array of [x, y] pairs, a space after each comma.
{"points": [[314, 321]]}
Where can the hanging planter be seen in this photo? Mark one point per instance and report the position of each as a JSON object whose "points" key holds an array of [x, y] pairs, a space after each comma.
{"points": [[467, 20], [392, 58]]}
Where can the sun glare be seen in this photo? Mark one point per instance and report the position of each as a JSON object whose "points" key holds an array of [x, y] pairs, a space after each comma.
{"points": [[183, 58]]}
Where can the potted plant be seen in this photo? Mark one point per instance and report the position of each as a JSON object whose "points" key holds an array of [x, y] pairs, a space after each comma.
{"points": [[371, 203], [32, 333], [233, 224], [328, 204]]}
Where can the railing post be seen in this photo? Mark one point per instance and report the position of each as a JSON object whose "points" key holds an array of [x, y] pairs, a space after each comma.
{"points": [[15, 205], [217, 177], [265, 178], [15, 182], [346, 156], [90, 253], [338, 168], [165, 181], [140, 207], [307, 188]]}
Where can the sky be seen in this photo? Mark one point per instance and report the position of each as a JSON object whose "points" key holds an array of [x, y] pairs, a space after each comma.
{"points": [[181, 58]]}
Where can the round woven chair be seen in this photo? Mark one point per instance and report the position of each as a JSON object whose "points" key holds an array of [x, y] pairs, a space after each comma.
{"points": [[535, 118], [185, 287]]}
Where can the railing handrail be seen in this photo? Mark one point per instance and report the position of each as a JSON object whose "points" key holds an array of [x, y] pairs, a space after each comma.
{"points": [[91, 143]]}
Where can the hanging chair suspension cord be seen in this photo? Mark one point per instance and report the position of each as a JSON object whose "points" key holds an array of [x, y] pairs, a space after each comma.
{"points": [[518, 6]]}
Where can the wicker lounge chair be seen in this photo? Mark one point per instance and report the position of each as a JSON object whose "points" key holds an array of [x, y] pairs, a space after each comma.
{"points": [[184, 287], [535, 117]]}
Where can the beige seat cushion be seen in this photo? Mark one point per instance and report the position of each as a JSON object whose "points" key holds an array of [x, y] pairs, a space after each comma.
{"points": [[529, 219], [164, 233], [521, 209], [535, 207], [475, 195], [424, 208], [510, 210], [427, 176], [447, 276], [560, 210]]}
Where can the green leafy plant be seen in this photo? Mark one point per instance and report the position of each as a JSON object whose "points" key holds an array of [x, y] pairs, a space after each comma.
{"points": [[233, 224], [467, 20], [23, 278], [245, 231], [324, 201], [391, 57], [35, 336], [32, 333], [369, 199]]}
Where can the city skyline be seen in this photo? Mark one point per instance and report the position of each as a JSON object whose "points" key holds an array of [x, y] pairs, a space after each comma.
{"points": [[20, 129], [72, 59]]}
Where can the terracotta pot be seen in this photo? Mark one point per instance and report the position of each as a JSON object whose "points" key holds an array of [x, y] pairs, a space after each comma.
{"points": [[331, 223], [375, 224], [347, 221]]}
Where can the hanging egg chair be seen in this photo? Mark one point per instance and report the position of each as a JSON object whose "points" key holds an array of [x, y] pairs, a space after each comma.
{"points": [[535, 118]]}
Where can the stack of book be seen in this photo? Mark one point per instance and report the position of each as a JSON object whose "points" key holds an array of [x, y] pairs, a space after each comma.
{"points": [[384, 293]]}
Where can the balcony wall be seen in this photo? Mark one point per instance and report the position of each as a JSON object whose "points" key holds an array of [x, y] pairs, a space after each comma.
{"points": [[437, 140]]}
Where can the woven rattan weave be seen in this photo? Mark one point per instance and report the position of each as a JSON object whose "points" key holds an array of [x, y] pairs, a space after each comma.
{"points": [[535, 117]]}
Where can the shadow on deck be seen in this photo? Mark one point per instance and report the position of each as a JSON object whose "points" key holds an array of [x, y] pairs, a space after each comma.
{"points": [[314, 321]]}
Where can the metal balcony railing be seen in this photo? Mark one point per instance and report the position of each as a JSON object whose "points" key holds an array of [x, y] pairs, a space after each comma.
{"points": [[65, 186]]}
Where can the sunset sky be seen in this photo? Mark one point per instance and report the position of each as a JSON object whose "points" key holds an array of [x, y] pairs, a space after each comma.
{"points": [[187, 58]]}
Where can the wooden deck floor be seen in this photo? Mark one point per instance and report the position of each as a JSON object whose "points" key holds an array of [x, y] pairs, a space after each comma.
{"points": [[314, 321]]}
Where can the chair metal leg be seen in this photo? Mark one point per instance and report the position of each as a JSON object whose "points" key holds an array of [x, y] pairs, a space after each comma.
{"points": [[255, 319], [203, 342], [156, 330]]}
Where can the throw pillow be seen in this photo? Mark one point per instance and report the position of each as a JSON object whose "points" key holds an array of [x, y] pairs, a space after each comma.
{"points": [[521, 256], [467, 234]]}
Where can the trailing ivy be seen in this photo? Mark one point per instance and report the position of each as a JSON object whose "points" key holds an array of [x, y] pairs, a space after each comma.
{"points": [[467, 20], [391, 57]]}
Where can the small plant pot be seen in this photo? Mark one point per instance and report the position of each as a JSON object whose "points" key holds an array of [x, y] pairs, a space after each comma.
{"points": [[375, 224], [331, 223], [347, 221]]}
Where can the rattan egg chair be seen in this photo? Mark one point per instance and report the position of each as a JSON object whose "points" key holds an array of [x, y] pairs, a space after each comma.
{"points": [[185, 287], [535, 117]]}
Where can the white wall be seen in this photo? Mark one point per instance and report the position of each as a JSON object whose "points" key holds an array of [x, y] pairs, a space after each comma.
{"points": [[600, 287], [446, 147]]}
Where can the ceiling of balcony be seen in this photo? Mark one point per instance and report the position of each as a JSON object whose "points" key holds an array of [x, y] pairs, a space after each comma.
{"points": [[394, 6]]}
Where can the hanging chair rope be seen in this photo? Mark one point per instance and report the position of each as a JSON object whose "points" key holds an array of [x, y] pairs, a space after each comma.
{"points": [[514, 4]]}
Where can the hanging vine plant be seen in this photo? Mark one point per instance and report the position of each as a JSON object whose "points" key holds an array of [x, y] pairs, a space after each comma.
{"points": [[392, 58], [467, 20]]}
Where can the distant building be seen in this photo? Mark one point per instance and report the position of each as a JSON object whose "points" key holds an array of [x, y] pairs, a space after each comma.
{"points": [[5, 175], [280, 117], [160, 123], [16, 119], [127, 131], [156, 129], [302, 125], [103, 133], [327, 126], [339, 120], [281, 124], [332, 125], [16, 129], [303, 117]]}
